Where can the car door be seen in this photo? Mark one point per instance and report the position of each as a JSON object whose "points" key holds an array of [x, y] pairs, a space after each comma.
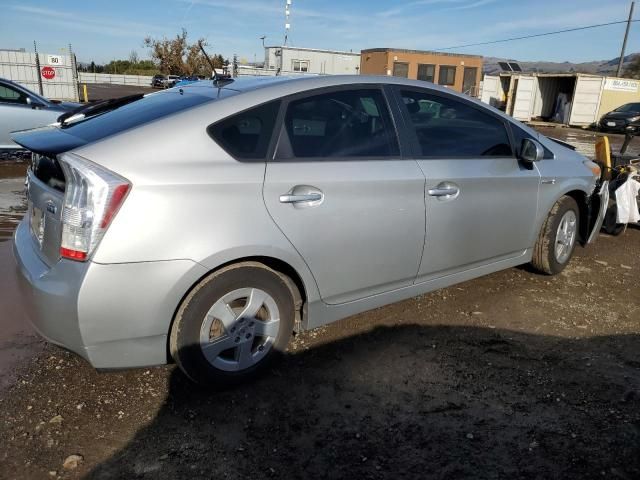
{"points": [[343, 195], [17, 114], [481, 202]]}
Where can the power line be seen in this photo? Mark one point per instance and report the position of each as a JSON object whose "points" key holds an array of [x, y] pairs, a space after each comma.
{"points": [[536, 35]]}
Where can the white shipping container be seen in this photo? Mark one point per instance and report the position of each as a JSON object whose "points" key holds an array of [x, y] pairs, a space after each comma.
{"points": [[536, 95]]}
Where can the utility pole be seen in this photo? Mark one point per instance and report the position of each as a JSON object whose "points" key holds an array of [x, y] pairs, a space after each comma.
{"points": [[624, 43], [38, 72], [287, 25]]}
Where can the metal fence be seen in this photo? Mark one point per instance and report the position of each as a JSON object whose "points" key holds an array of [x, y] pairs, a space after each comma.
{"points": [[138, 80], [145, 81], [53, 76]]}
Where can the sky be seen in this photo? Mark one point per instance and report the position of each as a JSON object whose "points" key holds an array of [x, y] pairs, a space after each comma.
{"points": [[104, 30]]}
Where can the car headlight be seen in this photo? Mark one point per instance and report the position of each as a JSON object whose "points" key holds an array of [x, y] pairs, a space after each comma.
{"points": [[634, 119]]}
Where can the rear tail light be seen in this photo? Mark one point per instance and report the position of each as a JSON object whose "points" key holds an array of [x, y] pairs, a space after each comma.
{"points": [[92, 197]]}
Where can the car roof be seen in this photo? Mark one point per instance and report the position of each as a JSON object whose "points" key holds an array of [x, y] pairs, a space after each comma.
{"points": [[286, 85], [280, 86]]}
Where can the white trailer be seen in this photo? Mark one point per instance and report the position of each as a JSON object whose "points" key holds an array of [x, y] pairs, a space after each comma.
{"points": [[297, 60]]}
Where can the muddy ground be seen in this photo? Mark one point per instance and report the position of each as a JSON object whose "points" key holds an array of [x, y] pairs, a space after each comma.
{"points": [[513, 375]]}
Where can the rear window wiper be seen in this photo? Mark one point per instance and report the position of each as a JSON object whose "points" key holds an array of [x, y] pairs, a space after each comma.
{"points": [[99, 107]]}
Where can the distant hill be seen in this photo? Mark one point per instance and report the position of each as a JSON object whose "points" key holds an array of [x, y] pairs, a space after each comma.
{"points": [[604, 67]]}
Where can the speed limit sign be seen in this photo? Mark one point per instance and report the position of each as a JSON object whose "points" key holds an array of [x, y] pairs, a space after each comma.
{"points": [[54, 60]]}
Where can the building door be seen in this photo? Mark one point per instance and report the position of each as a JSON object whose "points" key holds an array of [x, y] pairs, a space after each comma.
{"points": [[469, 81]]}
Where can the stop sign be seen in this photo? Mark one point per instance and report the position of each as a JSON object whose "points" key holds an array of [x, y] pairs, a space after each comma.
{"points": [[48, 72]]}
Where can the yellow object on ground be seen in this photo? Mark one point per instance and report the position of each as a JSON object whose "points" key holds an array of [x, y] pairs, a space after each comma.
{"points": [[84, 92], [603, 155]]}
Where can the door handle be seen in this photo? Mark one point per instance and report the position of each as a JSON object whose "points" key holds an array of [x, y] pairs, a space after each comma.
{"points": [[444, 191], [308, 197]]}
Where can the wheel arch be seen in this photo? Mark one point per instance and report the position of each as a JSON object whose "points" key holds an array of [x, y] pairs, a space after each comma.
{"points": [[582, 200], [294, 280], [581, 197]]}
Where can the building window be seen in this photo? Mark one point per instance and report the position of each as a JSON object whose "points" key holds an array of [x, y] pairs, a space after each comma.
{"points": [[447, 75], [400, 69], [300, 65], [426, 73]]}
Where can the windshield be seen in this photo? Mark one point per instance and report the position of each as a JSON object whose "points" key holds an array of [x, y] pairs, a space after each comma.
{"points": [[629, 107], [149, 108]]}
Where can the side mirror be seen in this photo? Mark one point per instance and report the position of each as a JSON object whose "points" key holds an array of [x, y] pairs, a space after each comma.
{"points": [[34, 103], [530, 152]]}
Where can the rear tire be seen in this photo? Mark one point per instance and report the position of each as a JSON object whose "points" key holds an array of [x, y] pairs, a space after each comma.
{"points": [[557, 239], [233, 324]]}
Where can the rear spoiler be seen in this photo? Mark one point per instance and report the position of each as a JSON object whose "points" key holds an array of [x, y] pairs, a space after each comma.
{"points": [[49, 140]]}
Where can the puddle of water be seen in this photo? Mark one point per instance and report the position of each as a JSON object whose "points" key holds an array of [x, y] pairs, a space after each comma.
{"points": [[18, 341], [13, 203], [585, 141]]}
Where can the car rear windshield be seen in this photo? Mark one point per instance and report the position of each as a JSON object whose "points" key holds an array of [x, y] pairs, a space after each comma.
{"points": [[149, 108]]}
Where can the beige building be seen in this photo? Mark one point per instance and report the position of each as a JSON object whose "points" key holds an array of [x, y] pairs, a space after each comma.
{"points": [[458, 72]]}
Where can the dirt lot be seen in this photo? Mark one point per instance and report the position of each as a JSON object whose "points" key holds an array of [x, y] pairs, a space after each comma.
{"points": [[513, 375]]}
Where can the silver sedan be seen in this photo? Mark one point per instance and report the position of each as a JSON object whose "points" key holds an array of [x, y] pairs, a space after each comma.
{"points": [[21, 109], [204, 224]]}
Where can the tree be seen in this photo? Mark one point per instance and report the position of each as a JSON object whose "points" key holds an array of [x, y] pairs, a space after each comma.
{"points": [[177, 56], [133, 57], [633, 69]]}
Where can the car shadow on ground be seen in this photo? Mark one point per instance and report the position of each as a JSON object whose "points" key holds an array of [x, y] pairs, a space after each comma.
{"points": [[408, 402]]}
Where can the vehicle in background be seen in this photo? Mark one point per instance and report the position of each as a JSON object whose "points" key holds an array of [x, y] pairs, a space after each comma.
{"points": [[22, 109], [628, 115], [188, 80], [170, 81], [205, 224], [158, 81]]}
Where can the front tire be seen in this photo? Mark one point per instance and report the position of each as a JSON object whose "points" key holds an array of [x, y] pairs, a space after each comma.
{"points": [[232, 325], [557, 239]]}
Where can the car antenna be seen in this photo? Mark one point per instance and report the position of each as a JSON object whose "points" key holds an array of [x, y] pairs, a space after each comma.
{"points": [[218, 80]]}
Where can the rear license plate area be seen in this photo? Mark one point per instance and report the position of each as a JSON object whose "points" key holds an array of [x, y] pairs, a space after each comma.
{"points": [[37, 221]]}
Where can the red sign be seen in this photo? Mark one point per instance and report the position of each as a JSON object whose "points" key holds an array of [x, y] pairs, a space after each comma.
{"points": [[48, 72]]}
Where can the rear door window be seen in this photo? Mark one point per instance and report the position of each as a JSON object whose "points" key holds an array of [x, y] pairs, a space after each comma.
{"points": [[247, 135], [446, 127], [343, 123]]}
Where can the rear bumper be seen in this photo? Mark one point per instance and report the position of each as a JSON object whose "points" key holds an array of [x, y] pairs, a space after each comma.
{"points": [[115, 315], [50, 296]]}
